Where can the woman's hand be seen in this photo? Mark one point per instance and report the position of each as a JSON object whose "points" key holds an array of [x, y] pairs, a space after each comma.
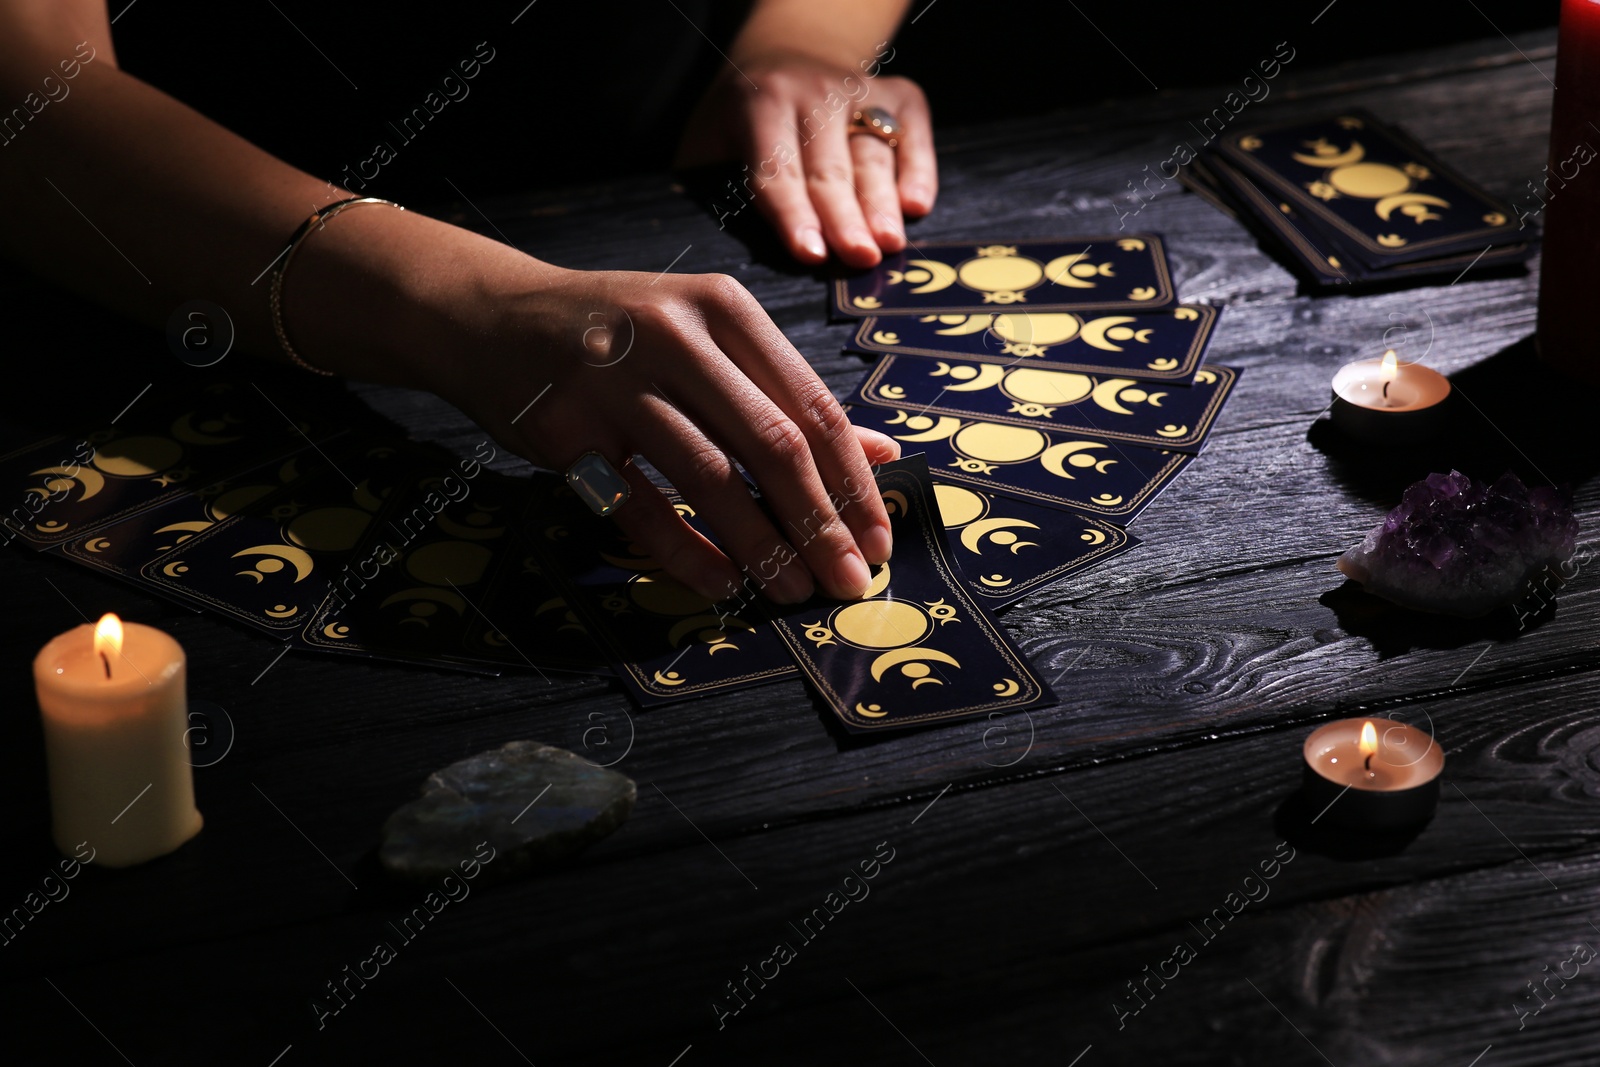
{"points": [[689, 372], [786, 116]]}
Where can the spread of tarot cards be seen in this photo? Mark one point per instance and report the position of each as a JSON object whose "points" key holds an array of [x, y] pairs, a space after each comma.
{"points": [[1032, 434]]}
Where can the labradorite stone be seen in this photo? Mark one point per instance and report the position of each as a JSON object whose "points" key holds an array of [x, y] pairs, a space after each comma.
{"points": [[534, 804]]}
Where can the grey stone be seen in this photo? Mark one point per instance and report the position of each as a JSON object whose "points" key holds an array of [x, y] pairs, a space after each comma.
{"points": [[536, 805]]}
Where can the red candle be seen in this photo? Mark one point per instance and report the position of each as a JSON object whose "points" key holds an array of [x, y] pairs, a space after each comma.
{"points": [[1570, 189]]}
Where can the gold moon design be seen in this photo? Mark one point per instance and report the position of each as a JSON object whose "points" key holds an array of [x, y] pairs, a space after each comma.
{"points": [[1105, 394], [999, 444], [880, 624], [1387, 205], [137, 457], [989, 374], [972, 537], [1059, 271], [942, 275], [1094, 537], [188, 529], [1369, 181], [1068, 451], [995, 581], [337, 631], [183, 429], [1355, 154], [896, 656], [443, 562], [1047, 386], [706, 622], [91, 481], [98, 544], [895, 502], [1106, 500], [941, 429], [236, 500], [447, 597], [661, 594], [281, 611], [1094, 331], [334, 529], [990, 273], [669, 678], [958, 506], [879, 583], [871, 711], [1007, 688], [1170, 430], [1046, 329], [468, 533], [176, 569], [969, 324], [299, 558]]}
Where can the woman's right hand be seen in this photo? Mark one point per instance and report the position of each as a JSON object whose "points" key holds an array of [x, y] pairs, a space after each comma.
{"points": [[688, 371]]}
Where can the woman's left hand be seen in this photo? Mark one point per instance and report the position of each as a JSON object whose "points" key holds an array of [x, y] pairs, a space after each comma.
{"points": [[787, 117]]}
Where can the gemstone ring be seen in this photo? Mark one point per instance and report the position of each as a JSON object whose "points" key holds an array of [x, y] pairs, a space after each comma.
{"points": [[598, 483]]}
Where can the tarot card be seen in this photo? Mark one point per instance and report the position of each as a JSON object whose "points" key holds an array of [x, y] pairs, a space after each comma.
{"points": [[1113, 409], [665, 641], [1157, 346], [919, 647], [1101, 273], [166, 444], [1089, 475], [1009, 548], [1386, 197]]}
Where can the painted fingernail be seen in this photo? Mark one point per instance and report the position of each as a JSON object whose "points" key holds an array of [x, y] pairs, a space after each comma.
{"points": [[811, 241], [851, 576], [877, 544]]}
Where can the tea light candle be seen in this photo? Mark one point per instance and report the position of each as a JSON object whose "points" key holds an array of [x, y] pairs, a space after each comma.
{"points": [[1372, 774], [1385, 400], [115, 718]]}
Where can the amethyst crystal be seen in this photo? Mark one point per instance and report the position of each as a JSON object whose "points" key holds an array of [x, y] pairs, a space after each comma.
{"points": [[1463, 548]]}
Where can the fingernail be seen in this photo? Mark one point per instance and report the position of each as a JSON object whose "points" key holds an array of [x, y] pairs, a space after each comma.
{"points": [[881, 442], [851, 576], [916, 196], [877, 544], [811, 241]]}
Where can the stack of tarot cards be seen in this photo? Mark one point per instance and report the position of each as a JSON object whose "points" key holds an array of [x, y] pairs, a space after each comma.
{"points": [[1351, 202]]}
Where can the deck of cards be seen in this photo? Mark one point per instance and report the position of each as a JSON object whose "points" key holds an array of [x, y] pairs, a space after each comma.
{"points": [[1351, 202], [1043, 392]]}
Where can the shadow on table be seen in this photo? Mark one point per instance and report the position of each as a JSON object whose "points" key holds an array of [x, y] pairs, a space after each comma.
{"points": [[1508, 412], [1296, 823], [1394, 630]]}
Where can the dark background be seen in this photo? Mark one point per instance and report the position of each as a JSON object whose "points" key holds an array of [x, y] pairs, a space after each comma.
{"points": [[583, 89]]}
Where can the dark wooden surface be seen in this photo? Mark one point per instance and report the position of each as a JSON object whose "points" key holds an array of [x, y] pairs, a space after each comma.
{"points": [[1040, 863]]}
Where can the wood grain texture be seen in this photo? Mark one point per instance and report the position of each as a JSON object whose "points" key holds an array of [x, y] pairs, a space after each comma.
{"points": [[1073, 846]]}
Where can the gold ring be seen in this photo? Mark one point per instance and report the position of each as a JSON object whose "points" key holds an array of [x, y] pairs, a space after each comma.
{"points": [[878, 122], [598, 483]]}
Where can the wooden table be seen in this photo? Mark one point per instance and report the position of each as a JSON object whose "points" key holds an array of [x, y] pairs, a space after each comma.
{"points": [[1040, 864]]}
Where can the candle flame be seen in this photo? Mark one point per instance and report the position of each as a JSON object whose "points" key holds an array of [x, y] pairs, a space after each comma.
{"points": [[1369, 738], [108, 636], [1390, 370]]}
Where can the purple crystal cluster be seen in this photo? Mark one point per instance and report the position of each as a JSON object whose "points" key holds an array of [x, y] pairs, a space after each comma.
{"points": [[1460, 547]]}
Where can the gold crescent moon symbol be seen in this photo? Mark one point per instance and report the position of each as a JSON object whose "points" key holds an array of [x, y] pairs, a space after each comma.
{"points": [[973, 535], [336, 630], [910, 654], [970, 324], [1059, 271], [1355, 154], [1094, 331], [895, 502], [958, 505], [871, 711], [91, 480], [1093, 536], [879, 583], [943, 276], [183, 429], [706, 622], [299, 558], [282, 611], [995, 581], [98, 544], [988, 376], [946, 426], [1386, 206], [1007, 688], [669, 678], [1105, 394], [1077, 453], [177, 569]]}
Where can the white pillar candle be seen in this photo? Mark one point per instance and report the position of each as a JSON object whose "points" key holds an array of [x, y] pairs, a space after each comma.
{"points": [[115, 718]]}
